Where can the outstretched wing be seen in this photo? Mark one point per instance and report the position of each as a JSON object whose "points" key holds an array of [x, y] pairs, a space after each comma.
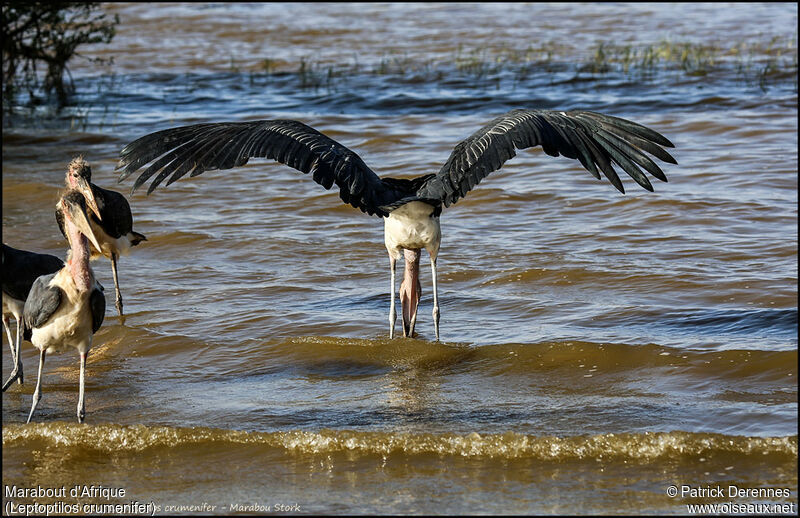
{"points": [[200, 147], [596, 140]]}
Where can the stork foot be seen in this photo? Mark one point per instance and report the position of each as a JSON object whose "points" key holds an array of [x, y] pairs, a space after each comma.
{"points": [[408, 332], [118, 305], [15, 375], [81, 391], [37, 396], [37, 393]]}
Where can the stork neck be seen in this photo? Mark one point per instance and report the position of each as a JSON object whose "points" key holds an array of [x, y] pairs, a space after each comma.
{"points": [[412, 257], [78, 260]]}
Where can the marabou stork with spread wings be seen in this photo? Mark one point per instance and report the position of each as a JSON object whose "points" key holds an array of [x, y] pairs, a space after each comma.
{"points": [[410, 207]]}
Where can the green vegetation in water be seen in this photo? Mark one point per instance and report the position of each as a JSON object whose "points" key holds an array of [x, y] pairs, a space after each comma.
{"points": [[763, 63], [759, 61]]}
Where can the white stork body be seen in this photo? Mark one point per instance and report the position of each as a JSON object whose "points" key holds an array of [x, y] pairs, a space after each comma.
{"points": [[407, 230], [70, 326], [412, 226]]}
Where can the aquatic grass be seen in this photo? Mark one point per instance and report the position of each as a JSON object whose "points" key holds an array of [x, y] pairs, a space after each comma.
{"points": [[776, 60], [762, 62], [690, 58]]}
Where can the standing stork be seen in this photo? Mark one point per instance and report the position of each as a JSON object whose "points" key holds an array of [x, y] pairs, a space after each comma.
{"points": [[112, 222], [410, 207], [20, 269], [66, 308]]}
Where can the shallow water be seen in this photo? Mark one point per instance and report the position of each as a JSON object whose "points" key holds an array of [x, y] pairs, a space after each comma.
{"points": [[596, 347]]}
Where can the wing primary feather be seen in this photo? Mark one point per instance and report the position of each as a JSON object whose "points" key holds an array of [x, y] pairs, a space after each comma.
{"points": [[650, 147], [231, 155], [202, 147], [210, 149], [634, 154], [628, 166], [605, 166], [585, 155], [146, 148], [632, 127]]}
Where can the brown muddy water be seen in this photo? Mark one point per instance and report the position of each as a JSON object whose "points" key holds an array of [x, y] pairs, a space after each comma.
{"points": [[597, 348]]}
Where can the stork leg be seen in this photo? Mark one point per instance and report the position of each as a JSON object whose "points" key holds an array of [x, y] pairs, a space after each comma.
{"points": [[392, 310], [118, 302], [16, 373], [37, 394], [435, 298], [19, 355], [8, 334], [81, 401]]}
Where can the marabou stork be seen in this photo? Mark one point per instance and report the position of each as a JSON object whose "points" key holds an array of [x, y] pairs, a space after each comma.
{"points": [[111, 221], [66, 308], [410, 207], [20, 269]]}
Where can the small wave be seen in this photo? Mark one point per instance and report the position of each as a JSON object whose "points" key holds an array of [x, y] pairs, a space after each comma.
{"points": [[737, 321], [526, 358], [750, 322], [637, 447]]}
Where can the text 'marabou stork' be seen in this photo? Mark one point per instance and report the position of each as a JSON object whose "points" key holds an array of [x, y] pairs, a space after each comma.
{"points": [[20, 269], [66, 308], [111, 218], [410, 207]]}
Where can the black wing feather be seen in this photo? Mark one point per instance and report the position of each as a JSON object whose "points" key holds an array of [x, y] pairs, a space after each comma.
{"points": [[97, 302], [21, 268], [41, 303], [596, 140], [208, 155], [209, 146], [117, 219]]}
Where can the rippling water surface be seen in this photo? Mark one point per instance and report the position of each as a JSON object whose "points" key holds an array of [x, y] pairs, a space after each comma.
{"points": [[597, 347]]}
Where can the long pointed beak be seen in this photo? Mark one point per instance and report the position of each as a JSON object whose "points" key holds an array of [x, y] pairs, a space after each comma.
{"points": [[410, 291], [86, 190], [77, 215]]}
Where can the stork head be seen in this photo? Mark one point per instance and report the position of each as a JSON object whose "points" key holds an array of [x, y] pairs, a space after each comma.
{"points": [[73, 206], [79, 177]]}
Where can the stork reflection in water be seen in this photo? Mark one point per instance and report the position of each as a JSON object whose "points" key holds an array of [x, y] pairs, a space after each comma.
{"points": [[410, 207]]}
